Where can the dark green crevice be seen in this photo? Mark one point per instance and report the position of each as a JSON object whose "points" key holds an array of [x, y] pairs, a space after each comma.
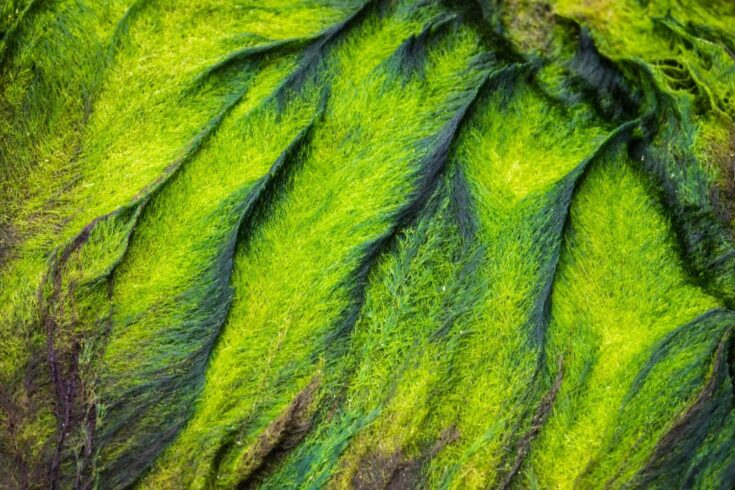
{"points": [[428, 177], [134, 210], [131, 405], [9, 37], [669, 464]]}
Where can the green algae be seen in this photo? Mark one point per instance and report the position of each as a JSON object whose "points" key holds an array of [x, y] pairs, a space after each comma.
{"points": [[365, 245]]}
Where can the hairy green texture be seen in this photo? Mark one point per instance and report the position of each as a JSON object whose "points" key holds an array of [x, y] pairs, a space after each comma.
{"points": [[367, 244]]}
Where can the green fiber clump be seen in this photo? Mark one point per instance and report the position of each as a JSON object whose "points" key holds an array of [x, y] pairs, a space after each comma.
{"points": [[367, 244]]}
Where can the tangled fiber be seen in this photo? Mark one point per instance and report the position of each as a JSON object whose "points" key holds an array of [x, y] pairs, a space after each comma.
{"points": [[367, 244]]}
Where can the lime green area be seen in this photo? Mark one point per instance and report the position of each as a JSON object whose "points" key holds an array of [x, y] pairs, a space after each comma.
{"points": [[367, 244], [434, 355], [81, 142], [174, 279], [287, 262], [620, 250], [686, 50], [43, 106], [519, 185]]}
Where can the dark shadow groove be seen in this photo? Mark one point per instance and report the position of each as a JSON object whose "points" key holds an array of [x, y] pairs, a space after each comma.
{"points": [[454, 189], [523, 447], [675, 451], [409, 58], [289, 87], [122, 27], [571, 183], [428, 178], [663, 348], [426, 181], [60, 256], [218, 300], [246, 55], [705, 244], [10, 38], [289, 430], [541, 316], [313, 55]]}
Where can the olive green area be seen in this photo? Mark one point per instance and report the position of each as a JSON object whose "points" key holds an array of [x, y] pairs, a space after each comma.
{"points": [[367, 244]]}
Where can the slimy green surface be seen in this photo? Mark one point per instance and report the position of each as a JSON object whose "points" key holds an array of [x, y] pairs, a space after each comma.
{"points": [[367, 244]]}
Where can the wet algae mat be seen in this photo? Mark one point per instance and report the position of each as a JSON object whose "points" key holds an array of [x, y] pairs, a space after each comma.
{"points": [[367, 244]]}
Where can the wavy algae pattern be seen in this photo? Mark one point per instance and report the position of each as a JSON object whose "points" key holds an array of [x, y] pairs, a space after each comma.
{"points": [[367, 244]]}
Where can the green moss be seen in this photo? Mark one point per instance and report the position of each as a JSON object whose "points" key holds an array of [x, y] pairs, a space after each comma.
{"points": [[366, 244], [621, 251], [287, 261]]}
